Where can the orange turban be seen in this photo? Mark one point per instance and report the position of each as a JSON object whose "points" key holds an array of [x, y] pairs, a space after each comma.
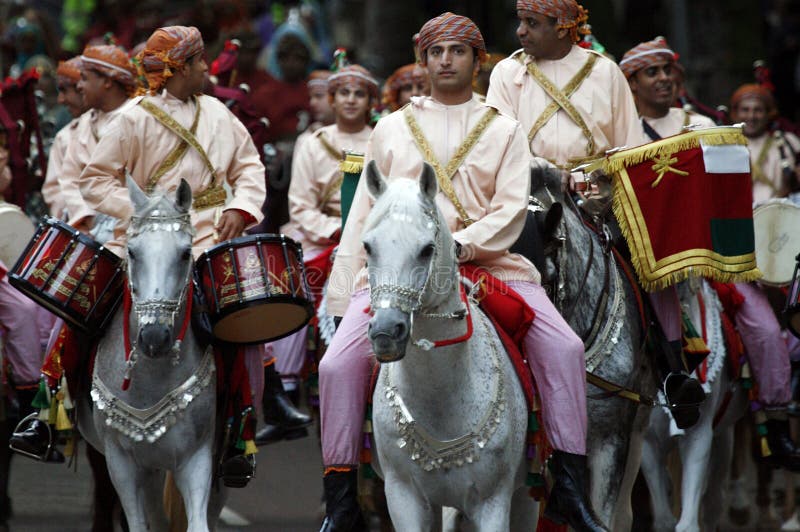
{"points": [[69, 72], [353, 74], [405, 75], [568, 14], [753, 90], [646, 54], [110, 61], [168, 48], [319, 79], [451, 27]]}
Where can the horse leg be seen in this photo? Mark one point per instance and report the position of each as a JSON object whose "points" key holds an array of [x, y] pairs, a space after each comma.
{"points": [[408, 509], [622, 517], [153, 503], [719, 470], [130, 483], [695, 450], [492, 514], [193, 478], [654, 452], [105, 496], [607, 462], [524, 511]]}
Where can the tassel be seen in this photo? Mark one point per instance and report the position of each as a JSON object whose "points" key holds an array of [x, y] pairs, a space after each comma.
{"points": [[765, 450], [67, 400], [250, 447], [62, 419], [52, 414], [533, 423], [41, 401], [367, 472], [69, 448], [365, 456]]}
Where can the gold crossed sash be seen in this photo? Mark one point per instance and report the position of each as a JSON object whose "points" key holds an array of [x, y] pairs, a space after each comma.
{"points": [[561, 99], [332, 151], [214, 195], [444, 174], [757, 168]]}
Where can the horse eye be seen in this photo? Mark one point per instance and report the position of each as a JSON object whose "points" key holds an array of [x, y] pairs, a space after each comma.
{"points": [[367, 248], [187, 254], [131, 254], [427, 251]]}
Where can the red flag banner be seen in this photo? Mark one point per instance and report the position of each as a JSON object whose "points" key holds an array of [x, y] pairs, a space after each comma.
{"points": [[684, 204]]}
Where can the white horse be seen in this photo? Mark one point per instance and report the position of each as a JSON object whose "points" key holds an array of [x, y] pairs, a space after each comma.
{"points": [[449, 422], [707, 447], [165, 420]]}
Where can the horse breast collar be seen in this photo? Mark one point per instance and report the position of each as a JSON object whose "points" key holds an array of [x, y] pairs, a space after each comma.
{"points": [[431, 453]]}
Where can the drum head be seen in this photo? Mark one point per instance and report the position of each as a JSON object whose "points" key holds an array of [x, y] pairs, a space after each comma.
{"points": [[16, 231], [777, 240], [262, 322]]}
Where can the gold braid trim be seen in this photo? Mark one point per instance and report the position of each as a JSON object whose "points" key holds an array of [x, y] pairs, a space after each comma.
{"points": [[337, 155], [561, 100], [212, 196], [657, 275], [713, 136], [757, 169], [444, 175], [174, 156]]}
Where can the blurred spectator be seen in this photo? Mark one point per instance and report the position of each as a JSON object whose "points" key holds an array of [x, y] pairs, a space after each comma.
{"points": [[481, 82], [405, 82]]}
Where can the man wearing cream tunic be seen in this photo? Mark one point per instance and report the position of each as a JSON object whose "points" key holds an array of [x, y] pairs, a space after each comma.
{"points": [[138, 143], [598, 112], [491, 184]]}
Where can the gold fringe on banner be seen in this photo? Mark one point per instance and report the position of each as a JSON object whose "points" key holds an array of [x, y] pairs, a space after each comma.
{"points": [[353, 163]]}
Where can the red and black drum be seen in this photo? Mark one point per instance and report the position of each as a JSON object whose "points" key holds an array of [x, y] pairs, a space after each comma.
{"points": [[792, 310], [255, 288], [71, 275]]}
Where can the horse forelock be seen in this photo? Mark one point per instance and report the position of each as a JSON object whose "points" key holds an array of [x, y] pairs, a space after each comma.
{"points": [[402, 200]]}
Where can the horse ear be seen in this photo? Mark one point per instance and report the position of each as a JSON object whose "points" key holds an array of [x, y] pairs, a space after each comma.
{"points": [[137, 195], [183, 197], [376, 184], [427, 181], [551, 220]]}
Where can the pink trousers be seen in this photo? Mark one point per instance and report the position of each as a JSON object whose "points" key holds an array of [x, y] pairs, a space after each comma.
{"points": [[20, 320], [761, 335], [553, 350]]}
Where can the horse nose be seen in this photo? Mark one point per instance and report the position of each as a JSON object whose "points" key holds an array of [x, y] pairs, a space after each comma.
{"points": [[154, 339], [400, 332]]}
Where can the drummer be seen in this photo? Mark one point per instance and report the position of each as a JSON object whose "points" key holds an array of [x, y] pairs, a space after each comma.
{"points": [[140, 141], [773, 153], [315, 209], [650, 68], [68, 74]]}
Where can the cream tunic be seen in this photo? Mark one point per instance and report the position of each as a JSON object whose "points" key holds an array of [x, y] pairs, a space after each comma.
{"points": [[315, 208], [491, 184], [674, 121], [54, 196], [604, 100], [138, 143], [772, 167]]}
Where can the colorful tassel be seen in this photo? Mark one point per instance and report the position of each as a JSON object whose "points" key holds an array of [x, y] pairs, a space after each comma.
{"points": [[69, 448], [250, 447], [62, 419], [765, 450], [41, 401]]}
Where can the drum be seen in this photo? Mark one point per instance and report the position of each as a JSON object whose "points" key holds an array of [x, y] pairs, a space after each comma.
{"points": [[777, 240], [16, 231], [71, 275], [255, 288], [792, 309]]}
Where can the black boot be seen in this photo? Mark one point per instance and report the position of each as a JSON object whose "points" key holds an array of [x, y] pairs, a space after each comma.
{"points": [[684, 397], [568, 502], [342, 513], [785, 453], [282, 420], [34, 439]]}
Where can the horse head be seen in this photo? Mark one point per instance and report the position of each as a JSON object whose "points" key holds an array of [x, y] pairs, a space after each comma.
{"points": [[548, 211], [159, 265], [410, 257]]}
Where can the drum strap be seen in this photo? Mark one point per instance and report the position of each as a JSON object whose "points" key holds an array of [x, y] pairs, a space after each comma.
{"points": [[561, 99], [444, 175], [174, 156], [757, 169], [214, 195]]}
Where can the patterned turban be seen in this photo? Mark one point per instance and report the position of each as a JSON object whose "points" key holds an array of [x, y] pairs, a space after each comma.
{"points": [[69, 72], [451, 27], [753, 90], [403, 76], [319, 79], [110, 61], [353, 74], [168, 48], [568, 14], [646, 54]]}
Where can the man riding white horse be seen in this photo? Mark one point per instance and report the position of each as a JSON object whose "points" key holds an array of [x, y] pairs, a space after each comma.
{"points": [[650, 68], [484, 206]]}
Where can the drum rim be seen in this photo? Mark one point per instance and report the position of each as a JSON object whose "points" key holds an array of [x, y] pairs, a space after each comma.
{"points": [[82, 238], [307, 305], [250, 239]]}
